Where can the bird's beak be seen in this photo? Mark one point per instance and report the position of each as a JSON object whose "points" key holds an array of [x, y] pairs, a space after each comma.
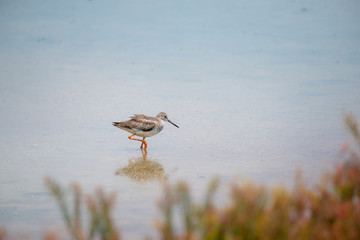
{"points": [[173, 123]]}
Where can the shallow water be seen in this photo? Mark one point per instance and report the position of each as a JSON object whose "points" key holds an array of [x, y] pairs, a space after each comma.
{"points": [[258, 90]]}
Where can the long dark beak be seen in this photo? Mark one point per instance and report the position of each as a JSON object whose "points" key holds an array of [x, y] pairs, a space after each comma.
{"points": [[173, 123]]}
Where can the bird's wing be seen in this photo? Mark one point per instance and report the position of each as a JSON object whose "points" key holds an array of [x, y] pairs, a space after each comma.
{"points": [[142, 122]]}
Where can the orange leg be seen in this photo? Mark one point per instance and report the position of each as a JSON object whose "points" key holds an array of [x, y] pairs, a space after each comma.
{"points": [[143, 141], [144, 153]]}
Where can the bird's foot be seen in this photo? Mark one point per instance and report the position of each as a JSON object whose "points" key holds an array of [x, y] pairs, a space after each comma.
{"points": [[144, 143]]}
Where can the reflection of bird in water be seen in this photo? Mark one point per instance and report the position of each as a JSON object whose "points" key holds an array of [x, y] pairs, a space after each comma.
{"points": [[142, 169], [144, 126]]}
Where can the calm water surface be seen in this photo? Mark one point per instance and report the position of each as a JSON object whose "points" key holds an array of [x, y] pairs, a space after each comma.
{"points": [[257, 88]]}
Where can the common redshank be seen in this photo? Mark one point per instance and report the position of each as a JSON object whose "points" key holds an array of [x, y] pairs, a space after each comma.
{"points": [[144, 126]]}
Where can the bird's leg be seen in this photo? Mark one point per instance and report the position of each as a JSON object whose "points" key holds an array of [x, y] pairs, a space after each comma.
{"points": [[144, 153], [143, 141]]}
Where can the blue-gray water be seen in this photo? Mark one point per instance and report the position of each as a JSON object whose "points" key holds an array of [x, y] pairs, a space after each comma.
{"points": [[258, 89]]}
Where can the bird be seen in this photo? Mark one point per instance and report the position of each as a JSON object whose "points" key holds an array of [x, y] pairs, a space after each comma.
{"points": [[144, 126]]}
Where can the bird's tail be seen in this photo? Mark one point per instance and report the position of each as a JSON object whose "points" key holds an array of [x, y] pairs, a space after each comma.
{"points": [[116, 124]]}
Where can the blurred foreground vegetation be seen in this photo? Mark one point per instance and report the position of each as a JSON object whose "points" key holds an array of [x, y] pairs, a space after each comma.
{"points": [[331, 210]]}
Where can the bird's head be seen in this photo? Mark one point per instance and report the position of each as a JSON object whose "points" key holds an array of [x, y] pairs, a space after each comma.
{"points": [[163, 116]]}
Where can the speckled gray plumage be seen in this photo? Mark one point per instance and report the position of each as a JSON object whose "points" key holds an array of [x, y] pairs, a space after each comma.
{"points": [[139, 121]]}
